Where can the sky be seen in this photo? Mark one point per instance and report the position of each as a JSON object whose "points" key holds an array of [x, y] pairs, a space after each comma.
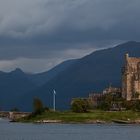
{"points": [[36, 35]]}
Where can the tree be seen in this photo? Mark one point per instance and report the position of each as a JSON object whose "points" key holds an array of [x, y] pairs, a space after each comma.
{"points": [[132, 105], [111, 102], [80, 105], [137, 105], [106, 103], [136, 95], [38, 106]]}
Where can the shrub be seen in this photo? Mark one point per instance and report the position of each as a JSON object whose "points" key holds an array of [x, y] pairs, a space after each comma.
{"points": [[80, 105], [38, 106]]}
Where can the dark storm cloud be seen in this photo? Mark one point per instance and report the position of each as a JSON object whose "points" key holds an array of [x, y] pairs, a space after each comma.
{"points": [[44, 29]]}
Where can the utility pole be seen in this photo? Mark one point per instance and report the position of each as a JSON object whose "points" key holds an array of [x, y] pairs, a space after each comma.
{"points": [[54, 100]]}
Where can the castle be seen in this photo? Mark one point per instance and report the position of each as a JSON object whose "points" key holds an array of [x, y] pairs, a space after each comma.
{"points": [[130, 83], [130, 90], [131, 78]]}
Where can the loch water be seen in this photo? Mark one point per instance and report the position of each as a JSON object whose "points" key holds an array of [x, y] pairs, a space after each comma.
{"points": [[21, 131]]}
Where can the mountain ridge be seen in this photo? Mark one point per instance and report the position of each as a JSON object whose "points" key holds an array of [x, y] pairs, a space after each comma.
{"points": [[91, 73], [75, 78], [16, 83]]}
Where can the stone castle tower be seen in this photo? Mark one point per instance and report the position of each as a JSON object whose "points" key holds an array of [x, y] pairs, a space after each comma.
{"points": [[131, 78]]}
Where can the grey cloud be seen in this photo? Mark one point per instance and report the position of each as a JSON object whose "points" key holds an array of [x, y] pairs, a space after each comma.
{"points": [[43, 29], [52, 17], [36, 65]]}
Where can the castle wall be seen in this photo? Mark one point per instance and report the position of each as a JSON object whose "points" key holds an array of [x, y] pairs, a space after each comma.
{"points": [[131, 78]]}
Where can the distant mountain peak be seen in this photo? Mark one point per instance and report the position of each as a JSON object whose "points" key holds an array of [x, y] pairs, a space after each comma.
{"points": [[17, 71]]}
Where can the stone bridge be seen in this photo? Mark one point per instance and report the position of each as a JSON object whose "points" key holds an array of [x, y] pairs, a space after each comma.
{"points": [[13, 115]]}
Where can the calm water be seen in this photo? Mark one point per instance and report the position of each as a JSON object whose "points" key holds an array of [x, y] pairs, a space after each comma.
{"points": [[17, 131]]}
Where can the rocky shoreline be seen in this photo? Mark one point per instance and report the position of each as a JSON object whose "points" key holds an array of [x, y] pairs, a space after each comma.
{"points": [[88, 122]]}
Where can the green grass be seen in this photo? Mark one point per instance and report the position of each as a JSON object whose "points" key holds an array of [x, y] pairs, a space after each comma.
{"points": [[70, 117]]}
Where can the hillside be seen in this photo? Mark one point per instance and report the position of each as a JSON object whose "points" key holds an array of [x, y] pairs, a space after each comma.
{"points": [[15, 84], [90, 73], [70, 79], [12, 86], [41, 78]]}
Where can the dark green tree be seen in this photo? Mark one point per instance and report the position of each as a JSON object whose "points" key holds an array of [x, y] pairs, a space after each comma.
{"points": [[106, 103], [111, 101], [80, 105], [38, 106], [137, 105], [136, 95]]}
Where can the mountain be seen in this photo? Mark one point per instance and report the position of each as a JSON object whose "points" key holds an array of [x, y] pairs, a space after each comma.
{"points": [[91, 73], [70, 79], [41, 78], [14, 84]]}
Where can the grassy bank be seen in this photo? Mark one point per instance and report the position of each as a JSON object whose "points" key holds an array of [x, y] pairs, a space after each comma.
{"points": [[90, 117]]}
